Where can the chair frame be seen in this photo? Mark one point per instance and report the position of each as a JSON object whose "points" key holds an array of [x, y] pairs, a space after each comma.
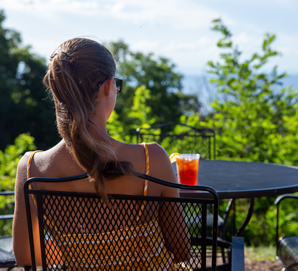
{"points": [[203, 132], [292, 253], [11, 263], [212, 199], [3, 262]]}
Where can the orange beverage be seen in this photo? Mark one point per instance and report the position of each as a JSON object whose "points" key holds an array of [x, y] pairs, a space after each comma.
{"points": [[187, 168]]}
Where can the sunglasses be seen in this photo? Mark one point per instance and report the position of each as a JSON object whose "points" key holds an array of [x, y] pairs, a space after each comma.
{"points": [[117, 80]]}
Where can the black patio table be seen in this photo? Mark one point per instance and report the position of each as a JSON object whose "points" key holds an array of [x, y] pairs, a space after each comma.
{"points": [[238, 179]]}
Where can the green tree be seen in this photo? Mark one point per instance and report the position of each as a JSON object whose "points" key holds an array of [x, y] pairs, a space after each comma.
{"points": [[9, 159], [26, 107], [24, 103], [249, 115], [290, 139], [252, 121], [138, 115], [167, 102]]}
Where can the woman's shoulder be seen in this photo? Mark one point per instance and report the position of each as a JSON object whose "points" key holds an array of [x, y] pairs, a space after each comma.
{"points": [[157, 151], [160, 165], [38, 162], [22, 169], [135, 153], [127, 148], [24, 161]]}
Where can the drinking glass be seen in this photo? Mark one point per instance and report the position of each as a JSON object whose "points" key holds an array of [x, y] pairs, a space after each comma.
{"points": [[187, 168]]}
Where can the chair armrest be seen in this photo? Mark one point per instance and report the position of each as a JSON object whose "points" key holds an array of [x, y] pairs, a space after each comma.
{"points": [[6, 193], [238, 254], [286, 196], [6, 216], [277, 202]]}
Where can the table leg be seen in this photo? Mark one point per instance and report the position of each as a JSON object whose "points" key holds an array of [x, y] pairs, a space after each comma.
{"points": [[231, 203], [248, 217], [222, 231]]}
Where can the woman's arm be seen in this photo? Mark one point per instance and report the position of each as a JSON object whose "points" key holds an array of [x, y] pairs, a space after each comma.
{"points": [[171, 216], [20, 235]]}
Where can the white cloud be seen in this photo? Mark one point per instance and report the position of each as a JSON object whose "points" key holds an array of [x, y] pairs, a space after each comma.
{"points": [[179, 30], [280, 3], [287, 46], [146, 46], [178, 14], [283, 3], [203, 42], [51, 8], [190, 55]]}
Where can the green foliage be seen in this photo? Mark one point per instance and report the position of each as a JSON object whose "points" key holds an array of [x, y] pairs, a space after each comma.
{"points": [[9, 160], [252, 121], [249, 119], [157, 74], [138, 116], [290, 139], [8, 166], [24, 105], [140, 113], [22, 92]]}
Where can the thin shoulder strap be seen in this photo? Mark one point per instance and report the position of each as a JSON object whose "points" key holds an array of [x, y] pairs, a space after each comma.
{"points": [[146, 181], [29, 163], [29, 173], [147, 168]]}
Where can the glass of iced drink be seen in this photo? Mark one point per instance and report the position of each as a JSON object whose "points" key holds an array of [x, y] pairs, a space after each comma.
{"points": [[187, 168]]}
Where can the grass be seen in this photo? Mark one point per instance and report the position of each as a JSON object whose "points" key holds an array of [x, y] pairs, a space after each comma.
{"points": [[260, 253]]}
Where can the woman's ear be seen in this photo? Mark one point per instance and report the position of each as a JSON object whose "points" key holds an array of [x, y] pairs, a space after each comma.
{"points": [[107, 87]]}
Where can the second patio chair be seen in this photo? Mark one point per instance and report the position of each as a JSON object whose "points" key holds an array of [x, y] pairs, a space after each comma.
{"points": [[286, 246], [7, 259], [181, 138]]}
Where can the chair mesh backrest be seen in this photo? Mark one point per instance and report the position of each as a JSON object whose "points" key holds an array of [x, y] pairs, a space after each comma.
{"points": [[80, 231], [181, 138]]}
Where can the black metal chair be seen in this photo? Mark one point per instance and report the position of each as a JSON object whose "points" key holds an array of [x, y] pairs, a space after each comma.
{"points": [[181, 138], [286, 246], [7, 258], [79, 222]]}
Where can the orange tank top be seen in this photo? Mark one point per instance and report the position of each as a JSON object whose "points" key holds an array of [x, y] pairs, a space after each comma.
{"points": [[156, 253]]}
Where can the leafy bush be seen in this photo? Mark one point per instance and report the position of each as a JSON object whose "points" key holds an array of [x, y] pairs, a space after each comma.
{"points": [[8, 166], [253, 122]]}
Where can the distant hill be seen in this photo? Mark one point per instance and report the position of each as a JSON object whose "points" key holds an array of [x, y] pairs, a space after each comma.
{"points": [[199, 85], [291, 80]]}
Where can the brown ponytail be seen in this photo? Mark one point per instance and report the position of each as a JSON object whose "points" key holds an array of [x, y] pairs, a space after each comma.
{"points": [[73, 74]]}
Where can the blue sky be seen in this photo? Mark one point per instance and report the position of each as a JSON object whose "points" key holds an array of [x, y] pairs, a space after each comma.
{"points": [[176, 29]]}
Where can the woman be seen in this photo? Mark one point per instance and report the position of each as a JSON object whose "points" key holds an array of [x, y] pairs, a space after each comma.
{"points": [[81, 78]]}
